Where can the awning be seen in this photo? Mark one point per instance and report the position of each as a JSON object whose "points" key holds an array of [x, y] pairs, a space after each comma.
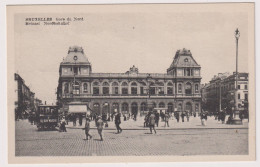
{"points": [[78, 109]]}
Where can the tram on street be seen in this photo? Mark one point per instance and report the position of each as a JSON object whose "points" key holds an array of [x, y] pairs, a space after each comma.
{"points": [[47, 117]]}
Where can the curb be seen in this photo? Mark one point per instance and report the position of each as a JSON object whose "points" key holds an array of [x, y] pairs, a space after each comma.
{"points": [[164, 129]]}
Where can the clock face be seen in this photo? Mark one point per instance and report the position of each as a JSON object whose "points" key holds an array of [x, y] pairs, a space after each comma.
{"points": [[65, 70]]}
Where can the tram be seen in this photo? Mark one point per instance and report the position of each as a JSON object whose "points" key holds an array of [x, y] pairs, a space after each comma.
{"points": [[47, 117]]}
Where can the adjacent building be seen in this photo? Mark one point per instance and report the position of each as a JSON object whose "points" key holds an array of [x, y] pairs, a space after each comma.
{"points": [[25, 99], [128, 92], [219, 93]]}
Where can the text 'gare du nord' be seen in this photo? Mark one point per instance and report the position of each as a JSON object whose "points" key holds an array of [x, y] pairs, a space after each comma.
{"points": [[176, 90]]}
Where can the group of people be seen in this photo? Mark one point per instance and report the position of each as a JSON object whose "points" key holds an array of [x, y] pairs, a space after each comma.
{"points": [[100, 122]]}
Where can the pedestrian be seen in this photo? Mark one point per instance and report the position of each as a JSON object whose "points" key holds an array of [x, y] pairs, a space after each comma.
{"points": [[80, 120], [182, 116], [157, 118], [62, 124], [74, 118], [188, 116], [177, 115], [203, 118], [167, 117], [87, 127], [118, 122], [100, 125], [152, 123]]}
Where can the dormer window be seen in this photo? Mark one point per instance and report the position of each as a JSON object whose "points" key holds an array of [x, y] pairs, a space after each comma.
{"points": [[186, 60]]}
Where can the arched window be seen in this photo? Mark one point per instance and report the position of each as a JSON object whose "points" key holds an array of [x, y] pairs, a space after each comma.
{"points": [[197, 88], [76, 88], [85, 88], [66, 88], [169, 88], [160, 88], [179, 107], [124, 88], [124, 108], [105, 87], [179, 88], [188, 89], [170, 107], [161, 105], [115, 107], [95, 88], [154, 105], [143, 106], [152, 88], [115, 88], [143, 88], [96, 108], [134, 88]]}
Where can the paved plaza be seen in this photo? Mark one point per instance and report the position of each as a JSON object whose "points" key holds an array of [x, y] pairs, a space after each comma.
{"points": [[188, 138]]}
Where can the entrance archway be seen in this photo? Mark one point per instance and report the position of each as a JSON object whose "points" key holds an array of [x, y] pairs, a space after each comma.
{"points": [[188, 107], [134, 108]]}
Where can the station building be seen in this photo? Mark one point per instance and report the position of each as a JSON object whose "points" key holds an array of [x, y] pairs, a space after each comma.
{"points": [[177, 90]]}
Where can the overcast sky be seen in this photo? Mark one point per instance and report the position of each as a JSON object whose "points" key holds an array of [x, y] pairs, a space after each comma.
{"points": [[114, 41]]}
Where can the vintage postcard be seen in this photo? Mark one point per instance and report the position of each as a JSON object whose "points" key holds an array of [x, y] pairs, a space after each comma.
{"points": [[131, 83]]}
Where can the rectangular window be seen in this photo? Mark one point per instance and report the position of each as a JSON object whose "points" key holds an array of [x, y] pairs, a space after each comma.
{"points": [[105, 90], [169, 91], [246, 96], [116, 90], [141, 90], [152, 91], [95, 91], [134, 91], [161, 91], [124, 91], [238, 96], [238, 86], [245, 87]]}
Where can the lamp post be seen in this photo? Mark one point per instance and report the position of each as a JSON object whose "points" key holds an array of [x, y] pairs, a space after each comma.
{"points": [[75, 58], [149, 102], [236, 120]]}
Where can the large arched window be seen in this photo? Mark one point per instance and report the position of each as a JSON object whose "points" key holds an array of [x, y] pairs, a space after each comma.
{"points": [[143, 88], [179, 107], [188, 88], [85, 88], [124, 88], [169, 88], [105, 88], [115, 107], [170, 107], [134, 88], [66, 88], [197, 88], [115, 88], [95, 88], [143, 106], [160, 88], [76, 88], [179, 88], [124, 108], [96, 108], [152, 88], [161, 105]]}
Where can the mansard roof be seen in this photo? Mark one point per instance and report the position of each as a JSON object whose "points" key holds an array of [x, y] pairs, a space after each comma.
{"points": [[75, 51], [183, 58]]}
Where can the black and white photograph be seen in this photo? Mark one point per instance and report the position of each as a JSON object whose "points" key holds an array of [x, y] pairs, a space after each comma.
{"points": [[122, 82]]}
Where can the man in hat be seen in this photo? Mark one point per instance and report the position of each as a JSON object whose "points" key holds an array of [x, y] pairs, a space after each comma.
{"points": [[152, 122], [118, 122], [87, 127], [100, 125]]}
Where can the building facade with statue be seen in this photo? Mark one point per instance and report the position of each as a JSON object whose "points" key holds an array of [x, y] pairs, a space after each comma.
{"points": [[81, 89]]}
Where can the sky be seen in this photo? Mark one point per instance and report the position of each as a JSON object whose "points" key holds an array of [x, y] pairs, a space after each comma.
{"points": [[115, 40]]}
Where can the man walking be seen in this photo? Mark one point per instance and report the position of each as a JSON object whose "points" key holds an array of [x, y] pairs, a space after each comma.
{"points": [[157, 117], [118, 122], [167, 117], [100, 125], [152, 123], [87, 127]]}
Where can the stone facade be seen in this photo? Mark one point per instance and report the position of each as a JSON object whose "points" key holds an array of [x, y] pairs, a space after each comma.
{"points": [[178, 89]]}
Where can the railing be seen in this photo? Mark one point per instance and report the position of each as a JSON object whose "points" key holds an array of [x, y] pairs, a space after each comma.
{"points": [[127, 95]]}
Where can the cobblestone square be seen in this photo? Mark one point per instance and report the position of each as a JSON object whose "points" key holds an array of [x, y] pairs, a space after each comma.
{"points": [[188, 138]]}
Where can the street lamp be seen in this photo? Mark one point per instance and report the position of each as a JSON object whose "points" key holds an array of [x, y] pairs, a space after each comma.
{"points": [[149, 102], [236, 119], [75, 58]]}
